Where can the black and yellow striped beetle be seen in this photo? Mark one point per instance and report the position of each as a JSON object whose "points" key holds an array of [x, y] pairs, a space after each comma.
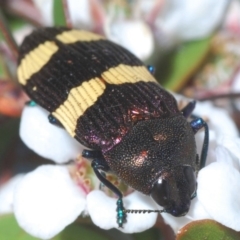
{"points": [[111, 103]]}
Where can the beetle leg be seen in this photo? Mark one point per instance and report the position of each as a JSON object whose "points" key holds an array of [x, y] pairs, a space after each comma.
{"points": [[187, 110], [91, 154], [97, 167], [54, 121], [31, 103], [197, 124], [151, 69]]}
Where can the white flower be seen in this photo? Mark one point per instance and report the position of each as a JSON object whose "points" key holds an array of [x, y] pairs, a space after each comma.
{"points": [[220, 196], [47, 200], [47, 140], [6, 194], [131, 34]]}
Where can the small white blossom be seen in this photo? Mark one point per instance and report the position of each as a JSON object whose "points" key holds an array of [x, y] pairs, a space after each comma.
{"points": [[6, 194], [218, 186], [47, 140], [46, 200], [131, 34]]}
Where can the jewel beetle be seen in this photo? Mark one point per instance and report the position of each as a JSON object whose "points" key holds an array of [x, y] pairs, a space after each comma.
{"points": [[108, 100]]}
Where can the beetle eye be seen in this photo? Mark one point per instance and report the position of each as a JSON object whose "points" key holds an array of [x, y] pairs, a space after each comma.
{"points": [[160, 192], [191, 179], [54, 121]]}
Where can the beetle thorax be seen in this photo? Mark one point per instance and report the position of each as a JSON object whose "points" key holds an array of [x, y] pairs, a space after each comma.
{"points": [[150, 148]]}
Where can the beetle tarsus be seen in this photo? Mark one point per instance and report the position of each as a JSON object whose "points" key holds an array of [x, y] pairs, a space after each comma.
{"points": [[197, 124], [121, 214], [54, 121]]}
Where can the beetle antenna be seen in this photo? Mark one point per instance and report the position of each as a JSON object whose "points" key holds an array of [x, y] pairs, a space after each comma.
{"points": [[142, 211]]}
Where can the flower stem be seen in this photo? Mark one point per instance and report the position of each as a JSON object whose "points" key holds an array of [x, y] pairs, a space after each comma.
{"points": [[7, 36]]}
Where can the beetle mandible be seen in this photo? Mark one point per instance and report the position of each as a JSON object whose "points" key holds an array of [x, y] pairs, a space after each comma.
{"points": [[111, 103]]}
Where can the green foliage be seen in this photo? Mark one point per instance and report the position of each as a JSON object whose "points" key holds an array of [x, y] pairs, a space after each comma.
{"points": [[207, 230], [175, 68], [9, 230], [58, 13], [153, 234]]}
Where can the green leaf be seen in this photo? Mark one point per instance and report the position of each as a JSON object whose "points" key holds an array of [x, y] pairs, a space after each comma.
{"points": [[9, 229], [152, 233], [76, 231], [15, 23], [58, 13], [207, 230], [175, 68], [90, 231]]}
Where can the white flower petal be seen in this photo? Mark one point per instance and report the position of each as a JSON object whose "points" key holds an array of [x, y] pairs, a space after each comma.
{"points": [[46, 139], [80, 13], [138, 222], [219, 119], [102, 210], [133, 35], [47, 200], [6, 194], [46, 9], [233, 146], [175, 222], [225, 156], [196, 212], [218, 191], [21, 33]]}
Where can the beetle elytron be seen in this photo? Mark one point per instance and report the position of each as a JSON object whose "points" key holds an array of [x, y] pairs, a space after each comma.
{"points": [[110, 102]]}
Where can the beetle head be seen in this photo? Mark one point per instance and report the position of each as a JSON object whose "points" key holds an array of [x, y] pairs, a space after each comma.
{"points": [[174, 190]]}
